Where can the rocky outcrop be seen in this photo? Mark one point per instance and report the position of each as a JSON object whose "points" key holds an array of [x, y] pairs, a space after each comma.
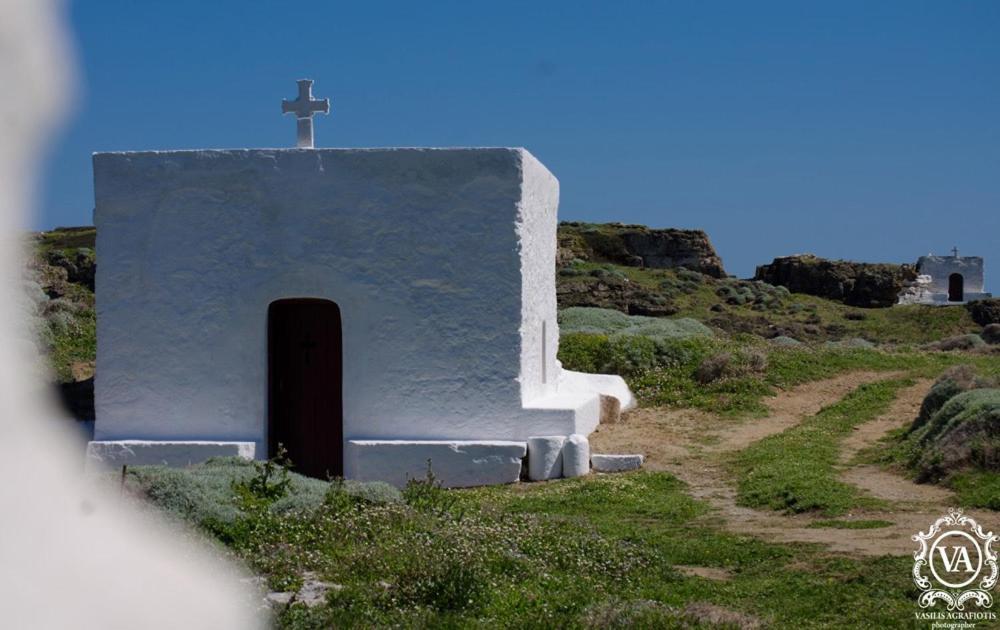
{"points": [[639, 246], [611, 291], [985, 312], [868, 285], [80, 265]]}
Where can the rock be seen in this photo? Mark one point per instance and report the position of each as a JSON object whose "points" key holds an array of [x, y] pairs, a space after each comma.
{"points": [[985, 312], [279, 598], [639, 246], [991, 334], [611, 410], [313, 591], [615, 463], [610, 291], [651, 310], [545, 457], [576, 456], [867, 285]]}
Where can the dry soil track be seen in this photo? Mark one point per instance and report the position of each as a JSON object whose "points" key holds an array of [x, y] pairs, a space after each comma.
{"points": [[692, 445]]}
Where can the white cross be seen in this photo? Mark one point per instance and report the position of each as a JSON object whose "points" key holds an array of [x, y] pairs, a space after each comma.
{"points": [[304, 107]]}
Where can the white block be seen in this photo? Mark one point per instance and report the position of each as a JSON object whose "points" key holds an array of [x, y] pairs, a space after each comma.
{"points": [[576, 456], [615, 463], [545, 457], [114, 453], [456, 463]]}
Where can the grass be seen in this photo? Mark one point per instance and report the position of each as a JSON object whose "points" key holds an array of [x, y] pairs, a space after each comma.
{"points": [[66, 238], [977, 488], [591, 552], [796, 470], [75, 342], [840, 524]]}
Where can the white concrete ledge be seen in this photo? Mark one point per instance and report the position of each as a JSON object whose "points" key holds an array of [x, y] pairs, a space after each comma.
{"points": [[114, 453], [615, 463], [607, 384], [456, 463]]}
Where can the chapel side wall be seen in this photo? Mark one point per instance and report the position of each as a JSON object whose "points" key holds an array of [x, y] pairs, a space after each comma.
{"points": [[417, 247], [536, 228]]}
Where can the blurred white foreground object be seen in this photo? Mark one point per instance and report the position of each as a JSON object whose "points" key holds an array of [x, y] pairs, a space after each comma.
{"points": [[71, 557]]}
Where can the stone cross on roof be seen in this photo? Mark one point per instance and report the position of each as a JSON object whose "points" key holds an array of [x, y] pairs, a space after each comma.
{"points": [[954, 251], [304, 107]]}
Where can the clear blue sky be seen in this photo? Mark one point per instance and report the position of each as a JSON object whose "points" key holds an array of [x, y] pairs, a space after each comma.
{"points": [[863, 130]]}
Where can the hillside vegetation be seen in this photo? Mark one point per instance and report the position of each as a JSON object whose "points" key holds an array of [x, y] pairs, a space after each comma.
{"points": [[681, 336]]}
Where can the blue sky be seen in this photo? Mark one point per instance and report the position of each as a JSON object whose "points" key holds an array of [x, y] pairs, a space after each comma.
{"points": [[862, 130]]}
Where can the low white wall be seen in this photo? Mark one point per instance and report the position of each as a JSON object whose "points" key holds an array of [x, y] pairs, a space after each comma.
{"points": [[456, 464]]}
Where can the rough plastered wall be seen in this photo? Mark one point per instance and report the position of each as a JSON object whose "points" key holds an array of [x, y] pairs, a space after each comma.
{"points": [[418, 247], [536, 228], [940, 269]]}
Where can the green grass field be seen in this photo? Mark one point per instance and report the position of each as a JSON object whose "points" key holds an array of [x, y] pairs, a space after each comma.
{"points": [[597, 552]]}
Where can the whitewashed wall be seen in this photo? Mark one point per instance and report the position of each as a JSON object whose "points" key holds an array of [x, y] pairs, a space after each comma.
{"points": [[940, 269], [419, 248]]}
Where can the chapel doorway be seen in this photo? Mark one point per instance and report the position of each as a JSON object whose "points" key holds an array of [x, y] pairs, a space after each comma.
{"points": [[305, 383], [956, 288]]}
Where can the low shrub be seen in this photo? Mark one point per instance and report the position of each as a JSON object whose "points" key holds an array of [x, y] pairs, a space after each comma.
{"points": [[963, 434], [713, 368], [582, 319], [954, 381], [959, 342], [631, 355]]}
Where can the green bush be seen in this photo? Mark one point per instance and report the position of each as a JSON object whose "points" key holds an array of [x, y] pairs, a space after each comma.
{"points": [[631, 355]]}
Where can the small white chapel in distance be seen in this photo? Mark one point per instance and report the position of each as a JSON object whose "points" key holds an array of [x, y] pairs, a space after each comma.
{"points": [[368, 309]]}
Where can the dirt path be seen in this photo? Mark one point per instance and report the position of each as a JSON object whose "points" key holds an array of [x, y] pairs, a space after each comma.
{"points": [[692, 445], [880, 483]]}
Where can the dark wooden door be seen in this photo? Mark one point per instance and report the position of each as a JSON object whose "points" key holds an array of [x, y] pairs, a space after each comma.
{"points": [[956, 288], [305, 402]]}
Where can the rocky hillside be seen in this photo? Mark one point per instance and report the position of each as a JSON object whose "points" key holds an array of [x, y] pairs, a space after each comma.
{"points": [[638, 246], [866, 285]]}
